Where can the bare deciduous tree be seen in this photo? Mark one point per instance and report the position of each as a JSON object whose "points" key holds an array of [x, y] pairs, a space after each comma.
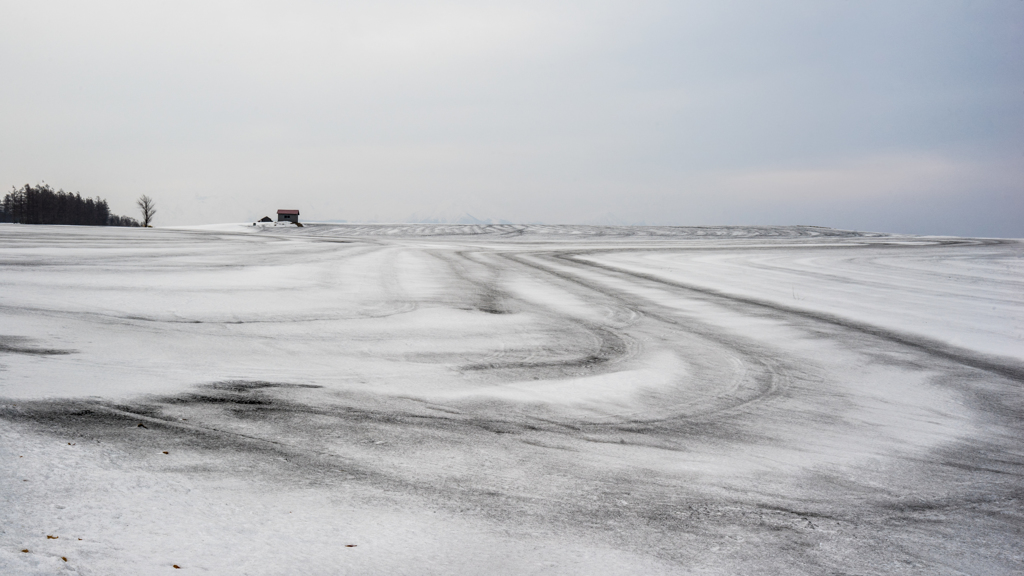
{"points": [[148, 208]]}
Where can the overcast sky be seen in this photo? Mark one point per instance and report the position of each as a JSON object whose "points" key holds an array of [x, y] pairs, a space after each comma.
{"points": [[902, 116]]}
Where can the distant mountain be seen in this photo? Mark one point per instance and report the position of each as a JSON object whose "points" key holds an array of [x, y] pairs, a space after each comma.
{"points": [[612, 219], [451, 217]]}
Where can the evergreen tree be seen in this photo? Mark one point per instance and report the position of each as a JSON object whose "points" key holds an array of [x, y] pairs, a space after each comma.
{"points": [[42, 205]]}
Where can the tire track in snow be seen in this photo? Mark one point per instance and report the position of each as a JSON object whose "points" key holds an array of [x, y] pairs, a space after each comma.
{"points": [[766, 375], [611, 346], [996, 365]]}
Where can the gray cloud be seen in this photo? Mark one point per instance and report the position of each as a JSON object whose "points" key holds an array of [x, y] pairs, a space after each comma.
{"points": [[895, 116]]}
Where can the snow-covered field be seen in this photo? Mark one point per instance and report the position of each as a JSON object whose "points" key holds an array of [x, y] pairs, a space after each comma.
{"points": [[436, 399]]}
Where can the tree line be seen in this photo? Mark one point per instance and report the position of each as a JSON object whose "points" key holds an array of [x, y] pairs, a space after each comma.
{"points": [[43, 205]]}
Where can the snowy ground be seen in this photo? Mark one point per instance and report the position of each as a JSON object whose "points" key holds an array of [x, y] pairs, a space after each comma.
{"points": [[435, 399]]}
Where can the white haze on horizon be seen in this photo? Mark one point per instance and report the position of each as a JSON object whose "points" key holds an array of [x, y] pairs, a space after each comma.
{"points": [[902, 117]]}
